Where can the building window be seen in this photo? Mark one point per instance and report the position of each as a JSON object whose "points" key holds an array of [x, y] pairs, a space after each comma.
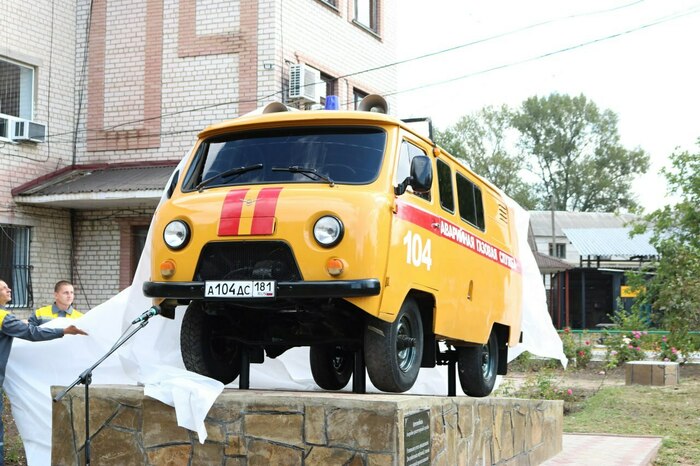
{"points": [[561, 250], [133, 234], [330, 82], [333, 3], [471, 205], [357, 96], [16, 89], [366, 13], [14, 264]]}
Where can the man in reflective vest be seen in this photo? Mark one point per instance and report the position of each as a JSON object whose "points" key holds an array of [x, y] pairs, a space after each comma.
{"points": [[11, 327], [63, 295]]}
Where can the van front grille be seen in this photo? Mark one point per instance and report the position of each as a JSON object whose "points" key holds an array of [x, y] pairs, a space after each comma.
{"points": [[246, 260]]}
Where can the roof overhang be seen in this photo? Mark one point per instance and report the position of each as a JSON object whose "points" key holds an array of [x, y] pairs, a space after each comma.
{"points": [[98, 186], [88, 201]]}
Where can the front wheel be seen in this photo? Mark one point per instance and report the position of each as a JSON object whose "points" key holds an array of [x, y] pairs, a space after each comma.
{"points": [[477, 367], [331, 366], [206, 345], [393, 350]]}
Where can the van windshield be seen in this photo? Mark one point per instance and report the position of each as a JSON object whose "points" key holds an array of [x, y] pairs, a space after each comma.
{"points": [[331, 155]]}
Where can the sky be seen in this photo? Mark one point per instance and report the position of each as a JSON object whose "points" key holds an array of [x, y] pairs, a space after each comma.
{"points": [[637, 58]]}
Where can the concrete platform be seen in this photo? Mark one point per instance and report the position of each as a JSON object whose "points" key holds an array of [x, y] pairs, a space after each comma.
{"points": [[264, 427], [607, 449]]}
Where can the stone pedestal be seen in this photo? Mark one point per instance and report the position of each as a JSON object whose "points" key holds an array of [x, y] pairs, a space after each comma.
{"points": [[651, 373], [256, 427]]}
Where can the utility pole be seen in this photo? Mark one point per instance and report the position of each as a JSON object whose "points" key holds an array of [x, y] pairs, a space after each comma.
{"points": [[554, 237]]}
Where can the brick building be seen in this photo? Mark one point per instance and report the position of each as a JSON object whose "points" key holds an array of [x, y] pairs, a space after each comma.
{"points": [[100, 99]]}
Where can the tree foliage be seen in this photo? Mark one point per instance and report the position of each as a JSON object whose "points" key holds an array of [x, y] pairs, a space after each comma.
{"points": [[577, 155], [481, 141], [569, 149], [674, 292]]}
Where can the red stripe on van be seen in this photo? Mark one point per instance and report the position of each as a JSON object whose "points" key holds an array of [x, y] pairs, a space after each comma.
{"points": [[264, 213], [231, 212], [456, 234]]}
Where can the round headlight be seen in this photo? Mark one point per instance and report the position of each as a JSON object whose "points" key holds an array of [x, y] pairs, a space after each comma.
{"points": [[176, 234], [328, 231]]}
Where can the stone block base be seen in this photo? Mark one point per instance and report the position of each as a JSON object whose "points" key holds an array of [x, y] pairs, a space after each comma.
{"points": [[651, 373], [255, 427]]}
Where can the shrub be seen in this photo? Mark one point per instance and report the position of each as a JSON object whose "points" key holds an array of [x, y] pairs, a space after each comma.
{"points": [[577, 352], [624, 347], [543, 386]]}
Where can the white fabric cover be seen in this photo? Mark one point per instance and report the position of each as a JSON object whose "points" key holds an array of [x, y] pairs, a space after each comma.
{"points": [[152, 357]]}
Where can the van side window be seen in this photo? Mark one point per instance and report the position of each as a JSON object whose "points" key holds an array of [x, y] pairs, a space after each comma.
{"points": [[471, 205], [403, 170], [444, 173]]}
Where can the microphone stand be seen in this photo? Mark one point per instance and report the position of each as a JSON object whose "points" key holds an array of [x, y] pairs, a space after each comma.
{"points": [[86, 378]]}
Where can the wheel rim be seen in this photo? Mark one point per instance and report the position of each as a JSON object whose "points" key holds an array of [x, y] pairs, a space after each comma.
{"points": [[487, 364], [405, 355]]}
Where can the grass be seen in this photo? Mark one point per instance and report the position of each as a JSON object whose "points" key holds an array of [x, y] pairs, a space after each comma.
{"points": [[672, 413], [14, 449]]}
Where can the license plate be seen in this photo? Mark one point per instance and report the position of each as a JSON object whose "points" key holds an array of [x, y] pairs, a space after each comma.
{"points": [[240, 289]]}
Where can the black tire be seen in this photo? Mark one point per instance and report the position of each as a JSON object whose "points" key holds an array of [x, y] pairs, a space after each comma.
{"points": [[206, 346], [331, 366], [393, 350], [478, 366]]}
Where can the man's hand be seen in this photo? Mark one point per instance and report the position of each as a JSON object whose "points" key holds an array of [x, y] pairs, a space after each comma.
{"points": [[73, 330]]}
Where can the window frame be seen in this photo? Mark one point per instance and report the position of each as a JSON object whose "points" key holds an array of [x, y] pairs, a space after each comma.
{"points": [[129, 231], [26, 85], [560, 250], [372, 13], [417, 150], [20, 269], [477, 200], [358, 95], [443, 182]]}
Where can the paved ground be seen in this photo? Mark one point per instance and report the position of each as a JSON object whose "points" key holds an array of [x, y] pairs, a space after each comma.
{"points": [[605, 449]]}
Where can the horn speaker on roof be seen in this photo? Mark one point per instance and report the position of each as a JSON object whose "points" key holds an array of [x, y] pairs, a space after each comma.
{"points": [[373, 103]]}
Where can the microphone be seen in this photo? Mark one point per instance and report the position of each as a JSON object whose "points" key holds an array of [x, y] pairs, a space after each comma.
{"points": [[153, 311]]}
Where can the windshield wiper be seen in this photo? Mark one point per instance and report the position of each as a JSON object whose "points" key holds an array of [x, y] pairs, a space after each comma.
{"points": [[228, 174], [307, 172]]}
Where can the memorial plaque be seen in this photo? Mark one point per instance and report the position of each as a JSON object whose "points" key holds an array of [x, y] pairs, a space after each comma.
{"points": [[416, 440]]}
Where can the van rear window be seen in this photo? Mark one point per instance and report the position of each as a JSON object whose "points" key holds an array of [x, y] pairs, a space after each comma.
{"points": [[343, 155]]}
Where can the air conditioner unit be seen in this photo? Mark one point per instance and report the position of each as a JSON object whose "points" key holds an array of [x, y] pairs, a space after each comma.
{"points": [[4, 127], [25, 130], [305, 83]]}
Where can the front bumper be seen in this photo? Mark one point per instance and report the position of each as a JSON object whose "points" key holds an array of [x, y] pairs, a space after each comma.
{"points": [[305, 289]]}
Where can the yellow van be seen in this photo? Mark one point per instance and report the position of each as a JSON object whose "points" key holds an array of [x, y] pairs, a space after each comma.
{"points": [[344, 231]]}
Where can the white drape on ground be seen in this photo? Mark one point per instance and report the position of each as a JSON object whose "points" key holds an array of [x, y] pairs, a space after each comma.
{"points": [[152, 357]]}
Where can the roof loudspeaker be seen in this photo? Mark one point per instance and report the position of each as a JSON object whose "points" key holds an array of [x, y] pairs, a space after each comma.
{"points": [[275, 107], [373, 103]]}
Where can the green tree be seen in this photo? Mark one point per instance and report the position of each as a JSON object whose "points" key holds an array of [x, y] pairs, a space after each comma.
{"points": [[577, 155], [674, 290], [481, 140]]}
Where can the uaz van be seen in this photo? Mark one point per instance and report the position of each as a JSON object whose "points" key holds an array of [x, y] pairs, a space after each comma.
{"points": [[343, 231]]}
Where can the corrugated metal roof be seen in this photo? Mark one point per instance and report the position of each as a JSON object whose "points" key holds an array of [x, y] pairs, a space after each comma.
{"points": [[549, 264], [541, 221], [104, 180], [98, 186], [609, 242]]}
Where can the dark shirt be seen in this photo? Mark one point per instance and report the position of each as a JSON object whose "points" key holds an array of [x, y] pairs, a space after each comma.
{"points": [[11, 327]]}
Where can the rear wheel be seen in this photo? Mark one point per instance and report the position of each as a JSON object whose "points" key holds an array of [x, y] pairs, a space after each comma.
{"points": [[331, 366], [393, 350], [206, 345], [477, 367]]}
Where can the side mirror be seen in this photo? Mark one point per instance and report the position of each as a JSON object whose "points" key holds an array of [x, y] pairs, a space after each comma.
{"points": [[421, 174]]}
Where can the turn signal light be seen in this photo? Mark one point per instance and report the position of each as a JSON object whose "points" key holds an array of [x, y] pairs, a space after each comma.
{"points": [[335, 267], [167, 268]]}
